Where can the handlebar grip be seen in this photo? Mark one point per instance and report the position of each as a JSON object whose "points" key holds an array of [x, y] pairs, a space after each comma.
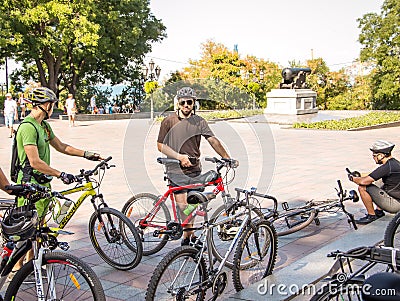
{"points": [[340, 186], [211, 159], [348, 170], [353, 221], [107, 159], [15, 188]]}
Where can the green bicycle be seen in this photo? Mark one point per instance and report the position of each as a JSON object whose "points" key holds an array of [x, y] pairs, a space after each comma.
{"points": [[113, 235]]}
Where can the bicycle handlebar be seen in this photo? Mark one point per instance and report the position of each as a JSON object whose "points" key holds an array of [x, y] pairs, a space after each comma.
{"points": [[223, 162], [252, 192], [88, 173], [386, 255]]}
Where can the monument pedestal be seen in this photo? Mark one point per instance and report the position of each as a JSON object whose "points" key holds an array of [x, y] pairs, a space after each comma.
{"points": [[291, 101]]}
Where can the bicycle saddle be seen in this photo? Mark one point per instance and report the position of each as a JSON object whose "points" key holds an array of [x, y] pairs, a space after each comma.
{"points": [[209, 176]]}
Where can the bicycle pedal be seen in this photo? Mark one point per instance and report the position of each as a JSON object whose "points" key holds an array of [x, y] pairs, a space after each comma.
{"points": [[285, 206]]}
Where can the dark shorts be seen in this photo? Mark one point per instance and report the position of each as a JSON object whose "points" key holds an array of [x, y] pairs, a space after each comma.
{"points": [[177, 180], [383, 200]]}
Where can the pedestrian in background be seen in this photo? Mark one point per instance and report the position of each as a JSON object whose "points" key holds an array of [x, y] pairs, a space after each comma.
{"points": [[71, 109], [10, 113], [93, 104], [22, 104]]}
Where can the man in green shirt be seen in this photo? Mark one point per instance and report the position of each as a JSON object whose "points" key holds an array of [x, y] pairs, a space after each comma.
{"points": [[34, 137]]}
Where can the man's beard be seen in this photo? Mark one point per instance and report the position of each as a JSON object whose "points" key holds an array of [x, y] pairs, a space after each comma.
{"points": [[186, 114]]}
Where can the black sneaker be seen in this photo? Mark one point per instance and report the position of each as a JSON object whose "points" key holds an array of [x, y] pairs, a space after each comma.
{"points": [[192, 240], [379, 213], [185, 242], [368, 218]]}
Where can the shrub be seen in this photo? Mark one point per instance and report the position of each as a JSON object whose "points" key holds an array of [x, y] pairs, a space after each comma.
{"points": [[372, 118]]}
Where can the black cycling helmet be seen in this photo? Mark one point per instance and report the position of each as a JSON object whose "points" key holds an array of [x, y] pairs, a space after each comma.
{"points": [[196, 197], [186, 92], [41, 95], [19, 223], [382, 146]]}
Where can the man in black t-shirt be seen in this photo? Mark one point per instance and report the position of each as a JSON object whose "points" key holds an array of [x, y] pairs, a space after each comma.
{"points": [[387, 197], [179, 138]]}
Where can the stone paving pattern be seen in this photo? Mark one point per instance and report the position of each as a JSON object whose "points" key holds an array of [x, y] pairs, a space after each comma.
{"points": [[287, 163]]}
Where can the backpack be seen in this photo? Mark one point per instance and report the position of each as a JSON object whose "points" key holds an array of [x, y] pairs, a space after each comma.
{"points": [[16, 165]]}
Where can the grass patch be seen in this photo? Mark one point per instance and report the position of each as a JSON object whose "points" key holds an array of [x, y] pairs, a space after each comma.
{"points": [[372, 118], [212, 115]]}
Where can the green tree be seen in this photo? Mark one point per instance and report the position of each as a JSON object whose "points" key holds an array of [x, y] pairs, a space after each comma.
{"points": [[224, 74], [380, 37], [69, 42]]}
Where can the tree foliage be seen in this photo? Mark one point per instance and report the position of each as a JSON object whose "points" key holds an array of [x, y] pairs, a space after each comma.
{"points": [[224, 72], [63, 44], [380, 37]]}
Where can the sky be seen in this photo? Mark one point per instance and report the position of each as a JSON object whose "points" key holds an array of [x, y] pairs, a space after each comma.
{"points": [[274, 30]]}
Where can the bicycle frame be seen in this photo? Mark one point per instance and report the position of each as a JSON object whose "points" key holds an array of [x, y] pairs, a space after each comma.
{"points": [[146, 221], [206, 227], [88, 190]]}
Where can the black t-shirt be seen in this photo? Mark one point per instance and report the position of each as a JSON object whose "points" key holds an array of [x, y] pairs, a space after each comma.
{"points": [[183, 135], [390, 175]]}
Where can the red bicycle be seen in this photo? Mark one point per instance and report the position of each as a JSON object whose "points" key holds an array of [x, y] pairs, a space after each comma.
{"points": [[152, 217]]}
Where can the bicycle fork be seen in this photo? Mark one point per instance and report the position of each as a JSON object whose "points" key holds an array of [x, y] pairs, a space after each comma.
{"points": [[37, 267]]}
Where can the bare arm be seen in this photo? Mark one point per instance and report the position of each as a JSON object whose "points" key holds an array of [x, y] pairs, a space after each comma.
{"points": [[3, 181], [37, 163], [65, 148], [363, 181], [217, 146], [169, 152]]}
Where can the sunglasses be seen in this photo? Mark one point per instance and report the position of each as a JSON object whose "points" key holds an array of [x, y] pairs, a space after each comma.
{"points": [[189, 102]]}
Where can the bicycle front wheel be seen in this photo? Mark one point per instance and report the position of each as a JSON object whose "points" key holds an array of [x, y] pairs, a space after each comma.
{"points": [[255, 254], [336, 291], [115, 239], [178, 276], [65, 277], [137, 208], [392, 232], [221, 236], [293, 220]]}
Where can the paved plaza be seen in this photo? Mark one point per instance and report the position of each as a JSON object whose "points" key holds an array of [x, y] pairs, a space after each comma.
{"points": [[290, 164]]}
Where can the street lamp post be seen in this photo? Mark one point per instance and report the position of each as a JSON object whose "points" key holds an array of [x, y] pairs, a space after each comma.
{"points": [[151, 74]]}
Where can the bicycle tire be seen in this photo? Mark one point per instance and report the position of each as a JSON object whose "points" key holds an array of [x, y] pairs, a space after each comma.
{"points": [[249, 269], [73, 279], [124, 251], [300, 218], [136, 208], [392, 232], [350, 291], [159, 287], [219, 245]]}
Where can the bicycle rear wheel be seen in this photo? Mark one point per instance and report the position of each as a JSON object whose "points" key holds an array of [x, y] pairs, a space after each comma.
{"points": [[255, 254], [293, 220], [71, 278], [136, 208], [221, 237], [115, 239], [181, 270], [392, 232]]}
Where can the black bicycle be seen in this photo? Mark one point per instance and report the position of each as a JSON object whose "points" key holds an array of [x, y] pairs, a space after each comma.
{"points": [[290, 220], [344, 282]]}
